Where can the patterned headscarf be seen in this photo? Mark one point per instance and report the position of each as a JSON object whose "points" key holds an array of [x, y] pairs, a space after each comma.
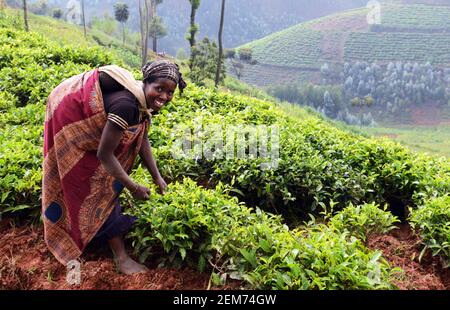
{"points": [[164, 69]]}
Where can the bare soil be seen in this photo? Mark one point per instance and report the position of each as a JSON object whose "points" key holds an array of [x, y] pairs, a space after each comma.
{"points": [[26, 263], [402, 248]]}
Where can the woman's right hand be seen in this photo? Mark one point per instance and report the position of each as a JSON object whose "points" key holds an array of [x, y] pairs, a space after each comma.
{"points": [[141, 193]]}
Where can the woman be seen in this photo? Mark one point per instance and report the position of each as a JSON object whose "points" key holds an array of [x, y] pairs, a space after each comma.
{"points": [[95, 126]]}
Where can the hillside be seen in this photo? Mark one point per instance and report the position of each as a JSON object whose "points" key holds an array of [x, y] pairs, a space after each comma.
{"points": [[407, 33], [238, 218], [246, 20], [67, 33]]}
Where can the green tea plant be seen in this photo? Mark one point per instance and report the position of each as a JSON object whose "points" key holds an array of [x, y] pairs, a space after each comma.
{"points": [[317, 258], [432, 220], [182, 222], [364, 220], [30, 67], [212, 231], [317, 164]]}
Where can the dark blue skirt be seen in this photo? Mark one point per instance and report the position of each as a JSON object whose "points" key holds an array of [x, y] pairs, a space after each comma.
{"points": [[116, 225]]}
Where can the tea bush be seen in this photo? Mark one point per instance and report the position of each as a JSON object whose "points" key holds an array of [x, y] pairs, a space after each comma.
{"points": [[317, 164], [31, 66], [361, 221], [209, 228], [433, 222]]}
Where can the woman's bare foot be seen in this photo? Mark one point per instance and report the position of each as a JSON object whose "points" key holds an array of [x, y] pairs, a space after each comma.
{"points": [[123, 261], [128, 266]]}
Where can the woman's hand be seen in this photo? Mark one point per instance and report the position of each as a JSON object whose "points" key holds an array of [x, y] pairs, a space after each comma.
{"points": [[161, 184], [140, 192]]}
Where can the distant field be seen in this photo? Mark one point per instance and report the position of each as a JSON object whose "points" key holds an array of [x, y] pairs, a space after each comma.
{"points": [[417, 17], [385, 47], [432, 140], [414, 32], [298, 46]]}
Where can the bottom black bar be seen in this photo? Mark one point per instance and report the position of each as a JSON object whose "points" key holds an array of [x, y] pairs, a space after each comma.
{"points": [[214, 299]]}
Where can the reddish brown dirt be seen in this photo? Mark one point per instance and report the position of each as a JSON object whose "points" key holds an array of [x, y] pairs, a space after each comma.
{"points": [[342, 23], [26, 263], [388, 135], [426, 115], [402, 248]]}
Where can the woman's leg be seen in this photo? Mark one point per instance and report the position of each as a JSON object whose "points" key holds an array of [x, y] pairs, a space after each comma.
{"points": [[124, 262], [112, 232]]}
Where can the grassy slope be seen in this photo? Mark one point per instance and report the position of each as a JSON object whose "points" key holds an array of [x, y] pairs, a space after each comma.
{"points": [[67, 33]]}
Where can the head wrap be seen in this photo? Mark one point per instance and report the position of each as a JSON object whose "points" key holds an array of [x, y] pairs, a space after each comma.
{"points": [[164, 69]]}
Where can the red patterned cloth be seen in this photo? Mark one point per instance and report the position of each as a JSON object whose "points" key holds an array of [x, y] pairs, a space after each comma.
{"points": [[78, 194]]}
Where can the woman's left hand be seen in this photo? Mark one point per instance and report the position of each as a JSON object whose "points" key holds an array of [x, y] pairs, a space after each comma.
{"points": [[161, 184]]}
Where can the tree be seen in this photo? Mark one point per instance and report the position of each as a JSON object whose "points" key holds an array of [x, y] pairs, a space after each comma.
{"points": [[121, 13], [157, 30], [205, 64], [84, 18], [40, 7], [57, 13], [220, 58], [245, 54], [193, 29], [144, 22], [25, 15], [238, 64]]}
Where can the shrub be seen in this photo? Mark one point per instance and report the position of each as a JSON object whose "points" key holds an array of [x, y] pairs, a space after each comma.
{"points": [[361, 221], [432, 220], [197, 226]]}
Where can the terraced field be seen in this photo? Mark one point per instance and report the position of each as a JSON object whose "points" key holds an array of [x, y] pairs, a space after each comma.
{"points": [[418, 16], [302, 42], [411, 32], [386, 47]]}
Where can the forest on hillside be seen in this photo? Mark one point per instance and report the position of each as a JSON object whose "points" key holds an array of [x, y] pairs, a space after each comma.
{"points": [[246, 20]]}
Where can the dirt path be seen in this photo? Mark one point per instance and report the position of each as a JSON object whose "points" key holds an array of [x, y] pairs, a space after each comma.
{"points": [[26, 263], [402, 249]]}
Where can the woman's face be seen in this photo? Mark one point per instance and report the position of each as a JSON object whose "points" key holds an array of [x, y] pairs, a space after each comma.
{"points": [[159, 93]]}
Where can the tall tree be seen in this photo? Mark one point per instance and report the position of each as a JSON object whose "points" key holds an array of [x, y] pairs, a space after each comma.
{"points": [[84, 18], [25, 15], [122, 13], [193, 29], [157, 30], [57, 13], [220, 58], [144, 19], [205, 66]]}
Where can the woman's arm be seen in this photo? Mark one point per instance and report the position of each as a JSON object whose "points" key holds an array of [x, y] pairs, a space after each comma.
{"points": [[149, 162], [109, 141]]}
